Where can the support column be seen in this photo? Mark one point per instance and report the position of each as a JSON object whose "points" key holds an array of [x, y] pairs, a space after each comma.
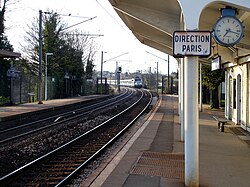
{"points": [[247, 96], [200, 87], [182, 98], [226, 94], [179, 88], [191, 122]]}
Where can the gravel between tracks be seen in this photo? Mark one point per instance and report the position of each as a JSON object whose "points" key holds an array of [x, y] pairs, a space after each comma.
{"points": [[18, 153]]}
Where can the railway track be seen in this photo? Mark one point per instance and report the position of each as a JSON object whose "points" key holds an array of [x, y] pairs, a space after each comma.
{"points": [[25, 118], [15, 132], [60, 165]]}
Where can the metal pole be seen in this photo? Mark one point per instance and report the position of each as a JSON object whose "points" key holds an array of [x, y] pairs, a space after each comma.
{"points": [[40, 58], [20, 101], [191, 122], [157, 77], [149, 81], [46, 80], [11, 101], [162, 85], [101, 71], [118, 81], [168, 75], [117, 77]]}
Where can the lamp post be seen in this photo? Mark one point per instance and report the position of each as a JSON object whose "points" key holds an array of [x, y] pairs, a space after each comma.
{"points": [[46, 75]]}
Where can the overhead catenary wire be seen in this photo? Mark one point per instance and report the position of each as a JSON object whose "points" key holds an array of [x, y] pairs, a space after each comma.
{"points": [[75, 34], [116, 57], [73, 16], [79, 23]]}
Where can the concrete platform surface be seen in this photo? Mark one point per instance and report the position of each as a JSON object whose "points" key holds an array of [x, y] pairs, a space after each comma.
{"points": [[8, 111], [154, 157]]}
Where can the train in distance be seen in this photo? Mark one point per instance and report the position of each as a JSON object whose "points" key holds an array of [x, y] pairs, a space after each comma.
{"points": [[135, 82]]}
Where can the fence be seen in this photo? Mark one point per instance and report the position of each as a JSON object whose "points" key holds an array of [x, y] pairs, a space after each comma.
{"points": [[24, 89]]}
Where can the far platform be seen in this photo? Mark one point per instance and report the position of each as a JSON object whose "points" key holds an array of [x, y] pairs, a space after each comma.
{"points": [[8, 112]]}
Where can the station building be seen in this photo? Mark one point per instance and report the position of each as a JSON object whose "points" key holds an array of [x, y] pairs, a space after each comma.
{"points": [[154, 22]]}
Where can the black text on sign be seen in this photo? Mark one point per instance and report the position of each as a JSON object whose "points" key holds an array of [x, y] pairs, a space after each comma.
{"points": [[191, 43]]}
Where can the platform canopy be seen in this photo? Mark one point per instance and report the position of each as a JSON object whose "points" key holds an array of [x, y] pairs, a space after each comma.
{"points": [[153, 24], [9, 54]]}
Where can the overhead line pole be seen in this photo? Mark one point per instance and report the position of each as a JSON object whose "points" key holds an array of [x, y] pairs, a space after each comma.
{"points": [[101, 71], [40, 58], [40, 92], [166, 61], [106, 61]]}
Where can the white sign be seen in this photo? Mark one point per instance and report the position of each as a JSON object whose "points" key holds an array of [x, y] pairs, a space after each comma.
{"points": [[215, 63], [192, 43]]}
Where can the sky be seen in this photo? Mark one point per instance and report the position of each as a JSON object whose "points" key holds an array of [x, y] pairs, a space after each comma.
{"points": [[117, 39]]}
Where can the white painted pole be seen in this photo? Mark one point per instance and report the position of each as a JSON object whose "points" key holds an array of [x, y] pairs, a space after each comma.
{"points": [[226, 91], [179, 88], [182, 99], [46, 76], [191, 122], [200, 87], [247, 98]]}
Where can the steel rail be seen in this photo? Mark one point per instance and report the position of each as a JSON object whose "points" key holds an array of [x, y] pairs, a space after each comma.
{"points": [[66, 179]]}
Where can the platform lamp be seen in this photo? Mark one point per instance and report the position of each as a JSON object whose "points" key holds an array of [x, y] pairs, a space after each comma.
{"points": [[46, 75]]}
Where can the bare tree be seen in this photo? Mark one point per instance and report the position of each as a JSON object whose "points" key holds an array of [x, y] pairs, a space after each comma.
{"points": [[71, 51], [3, 8]]}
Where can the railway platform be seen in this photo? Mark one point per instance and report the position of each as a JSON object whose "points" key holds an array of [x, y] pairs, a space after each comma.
{"points": [[15, 111], [154, 156]]}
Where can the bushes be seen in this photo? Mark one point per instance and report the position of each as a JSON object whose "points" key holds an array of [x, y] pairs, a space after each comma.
{"points": [[3, 100]]}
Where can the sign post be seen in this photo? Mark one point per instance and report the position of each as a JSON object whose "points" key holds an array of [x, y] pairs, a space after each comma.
{"points": [[12, 73], [191, 45]]}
